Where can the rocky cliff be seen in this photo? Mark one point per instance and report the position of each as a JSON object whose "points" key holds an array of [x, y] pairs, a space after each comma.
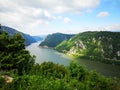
{"points": [[103, 46]]}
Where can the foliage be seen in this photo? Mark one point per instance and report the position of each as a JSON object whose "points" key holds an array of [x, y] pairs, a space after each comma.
{"points": [[49, 68], [13, 55], [55, 39], [28, 39], [63, 46], [74, 77], [103, 46], [45, 76], [2, 82]]}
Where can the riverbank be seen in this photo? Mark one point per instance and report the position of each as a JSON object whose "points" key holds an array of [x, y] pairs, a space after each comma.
{"points": [[106, 69], [51, 76], [47, 54]]}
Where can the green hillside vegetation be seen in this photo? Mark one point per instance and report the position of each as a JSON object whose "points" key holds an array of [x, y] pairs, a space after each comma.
{"points": [[103, 46], [28, 39], [54, 39], [13, 55], [19, 72], [50, 76]]}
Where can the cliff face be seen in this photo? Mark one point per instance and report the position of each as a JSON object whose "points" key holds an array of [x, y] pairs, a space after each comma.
{"points": [[28, 39], [54, 39], [93, 45]]}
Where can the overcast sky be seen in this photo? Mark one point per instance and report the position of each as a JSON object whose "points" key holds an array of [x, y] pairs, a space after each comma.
{"points": [[37, 17]]}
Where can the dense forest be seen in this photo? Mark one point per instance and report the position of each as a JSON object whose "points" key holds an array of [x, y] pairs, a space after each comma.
{"points": [[18, 71], [101, 46], [54, 39]]}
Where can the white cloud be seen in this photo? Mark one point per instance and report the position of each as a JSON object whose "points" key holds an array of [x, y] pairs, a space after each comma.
{"points": [[63, 6], [66, 20], [113, 27], [25, 15], [103, 14], [53, 5]]}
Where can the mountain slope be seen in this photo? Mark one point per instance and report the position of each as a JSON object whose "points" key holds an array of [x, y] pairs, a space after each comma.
{"points": [[38, 38], [28, 39], [54, 39], [93, 45]]}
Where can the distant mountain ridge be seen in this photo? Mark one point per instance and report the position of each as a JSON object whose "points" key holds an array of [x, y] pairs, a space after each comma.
{"points": [[28, 39], [115, 31], [54, 39], [38, 38]]}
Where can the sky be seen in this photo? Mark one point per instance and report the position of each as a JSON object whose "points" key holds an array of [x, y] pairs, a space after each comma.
{"points": [[36, 17]]}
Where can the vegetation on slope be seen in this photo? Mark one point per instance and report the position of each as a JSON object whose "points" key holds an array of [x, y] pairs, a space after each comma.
{"points": [[50, 76], [17, 64], [13, 55], [55, 39], [28, 39], [103, 46]]}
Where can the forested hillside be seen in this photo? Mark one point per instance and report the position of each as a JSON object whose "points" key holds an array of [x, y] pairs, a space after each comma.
{"points": [[54, 39], [19, 72], [28, 39], [103, 46]]}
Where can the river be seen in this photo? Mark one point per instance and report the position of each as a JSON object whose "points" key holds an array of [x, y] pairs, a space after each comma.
{"points": [[47, 54]]}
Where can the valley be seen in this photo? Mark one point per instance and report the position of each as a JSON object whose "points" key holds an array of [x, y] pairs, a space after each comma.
{"points": [[48, 54]]}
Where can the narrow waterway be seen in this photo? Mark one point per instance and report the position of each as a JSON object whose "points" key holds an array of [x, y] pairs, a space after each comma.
{"points": [[47, 54]]}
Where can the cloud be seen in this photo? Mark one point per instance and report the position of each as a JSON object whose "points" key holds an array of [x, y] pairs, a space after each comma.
{"points": [[69, 6], [56, 6], [66, 20], [113, 27], [103, 14], [25, 15]]}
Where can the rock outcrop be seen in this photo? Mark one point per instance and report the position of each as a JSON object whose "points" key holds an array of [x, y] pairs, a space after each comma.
{"points": [[93, 45]]}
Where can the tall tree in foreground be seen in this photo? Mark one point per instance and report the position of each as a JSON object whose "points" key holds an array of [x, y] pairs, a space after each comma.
{"points": [[13, 55]]}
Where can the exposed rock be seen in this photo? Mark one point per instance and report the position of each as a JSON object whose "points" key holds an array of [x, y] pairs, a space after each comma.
{"points": [[73, 50], [100, 45], [8, 79], [80, 44], [45, 46], [118, 53]]}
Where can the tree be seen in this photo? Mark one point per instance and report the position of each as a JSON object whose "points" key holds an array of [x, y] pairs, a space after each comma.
{"points": [[77, 71], [13, 55]]}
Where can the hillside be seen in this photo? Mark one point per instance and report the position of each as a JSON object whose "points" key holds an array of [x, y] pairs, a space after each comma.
{"points": [[38, 38], [103, 46], [53, 40], [28, 39], [18, 71]]}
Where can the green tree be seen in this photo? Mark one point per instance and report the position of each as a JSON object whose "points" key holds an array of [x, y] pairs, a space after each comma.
{"points": [[13, 54], [77, 71]]}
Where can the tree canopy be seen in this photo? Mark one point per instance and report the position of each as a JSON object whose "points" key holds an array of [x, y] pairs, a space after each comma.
{"points": [[13, 55]]}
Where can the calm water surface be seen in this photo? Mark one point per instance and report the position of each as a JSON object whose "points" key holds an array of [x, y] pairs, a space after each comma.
{"points": [[47, 54]]}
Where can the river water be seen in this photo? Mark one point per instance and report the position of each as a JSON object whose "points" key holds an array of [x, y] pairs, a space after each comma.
{"points": [[47, 54]]}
